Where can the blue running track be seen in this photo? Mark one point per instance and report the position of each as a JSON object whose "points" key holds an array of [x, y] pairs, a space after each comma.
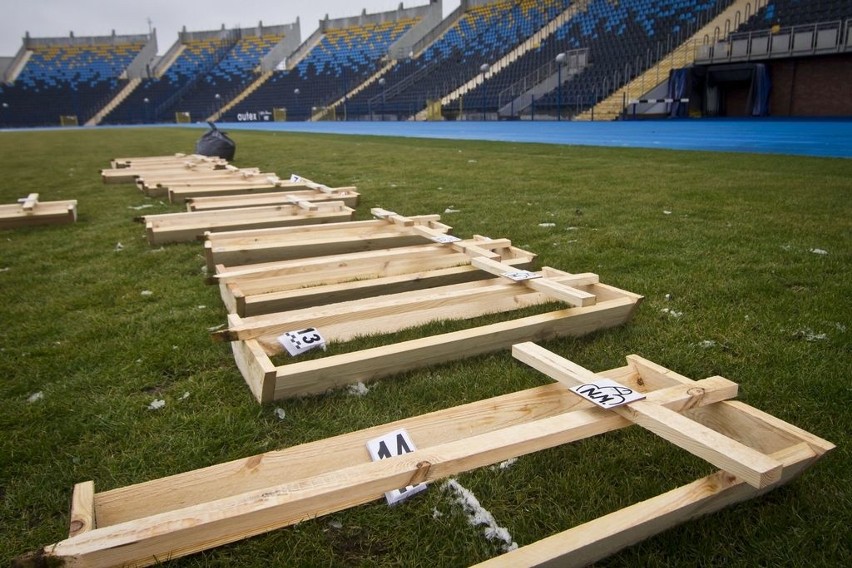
{"points": [[801, 137]]}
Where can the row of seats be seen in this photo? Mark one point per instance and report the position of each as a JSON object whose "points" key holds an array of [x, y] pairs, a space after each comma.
{"points": [[618, 33], [342, 59]]}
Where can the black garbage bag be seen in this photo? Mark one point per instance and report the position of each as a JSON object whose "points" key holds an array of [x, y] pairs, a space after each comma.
{"points": [[214, 142]]}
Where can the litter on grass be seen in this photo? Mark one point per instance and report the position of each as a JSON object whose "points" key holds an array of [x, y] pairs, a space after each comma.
{"points": [[451, 210], [672, 312], [35, 397], [707, 343], [147, 293], [185, 396], [118, 247], [280, 414], [477, 515], [505, 464], [547, 224], [157, 404], [819, 251], [810, 335], [140, 207], [358, 389]]}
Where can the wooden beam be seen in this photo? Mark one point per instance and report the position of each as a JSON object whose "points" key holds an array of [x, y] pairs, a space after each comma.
{"points": [[752, 466], [29, 202], [602, 537], [547, 285], [82, 508], [250, 197]]}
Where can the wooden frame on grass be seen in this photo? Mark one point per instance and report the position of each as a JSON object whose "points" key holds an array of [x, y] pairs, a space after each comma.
{"points": [[279, 286], [175, 516], [181, 192], [130, 173], [254, 339], [213, 198], [29, 211], [190, 226], [266, 245]]}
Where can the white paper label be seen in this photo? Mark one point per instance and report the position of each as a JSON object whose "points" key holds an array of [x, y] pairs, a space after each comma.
{"points": [[297, 342], [607, 393], [390, 445], [295, 179], [521, 275], [445, 239]]}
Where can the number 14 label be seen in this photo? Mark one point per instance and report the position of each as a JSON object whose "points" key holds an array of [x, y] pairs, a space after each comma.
{"points": [[297, 342]]}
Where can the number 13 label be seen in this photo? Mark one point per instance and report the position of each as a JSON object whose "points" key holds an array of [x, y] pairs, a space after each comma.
{"points": [[297, 342]]}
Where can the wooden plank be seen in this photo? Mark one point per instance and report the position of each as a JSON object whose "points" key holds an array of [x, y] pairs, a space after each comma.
{"points": [[752, 466], [187, 227], [545, 285], [82, 508], [178, 532], [29, 202], [249, 198], [602, 537]]}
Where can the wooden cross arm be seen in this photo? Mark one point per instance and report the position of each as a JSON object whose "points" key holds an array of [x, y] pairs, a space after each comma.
{"points": [[562, 292], [748, 464]]}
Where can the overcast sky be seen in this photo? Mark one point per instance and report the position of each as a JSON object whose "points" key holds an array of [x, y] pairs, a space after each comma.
{"points": [[56, 18]]}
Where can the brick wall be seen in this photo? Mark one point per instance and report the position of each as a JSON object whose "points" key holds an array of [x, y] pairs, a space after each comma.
{"points": [[812, 86]]}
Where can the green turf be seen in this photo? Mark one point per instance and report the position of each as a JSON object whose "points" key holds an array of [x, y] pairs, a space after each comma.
{"points": [[720, 245]]}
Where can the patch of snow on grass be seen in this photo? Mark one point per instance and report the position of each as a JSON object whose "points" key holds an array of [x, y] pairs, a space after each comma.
{"points": [[707, 343], [477, 515]]}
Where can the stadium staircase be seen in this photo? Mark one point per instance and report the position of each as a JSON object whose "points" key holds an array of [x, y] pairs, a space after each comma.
{"points": [[530, 43], [326, 112], [117, 100], [264, 77], [683, 55]]}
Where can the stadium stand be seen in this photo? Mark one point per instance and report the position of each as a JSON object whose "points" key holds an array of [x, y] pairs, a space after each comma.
{"points": [[349, 52], [70, 77], [482, 34], [396, 65]]}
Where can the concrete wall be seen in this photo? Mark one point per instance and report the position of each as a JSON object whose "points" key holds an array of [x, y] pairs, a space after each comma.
{"points": [[431, 20]]}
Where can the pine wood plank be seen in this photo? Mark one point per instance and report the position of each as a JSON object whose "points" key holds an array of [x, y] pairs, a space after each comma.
{"points": [[602, 537], [82, 508], [746, 463], [250, 198]]}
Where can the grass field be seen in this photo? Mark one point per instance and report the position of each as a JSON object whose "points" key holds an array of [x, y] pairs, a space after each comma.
{"points": [[745, 263]]}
